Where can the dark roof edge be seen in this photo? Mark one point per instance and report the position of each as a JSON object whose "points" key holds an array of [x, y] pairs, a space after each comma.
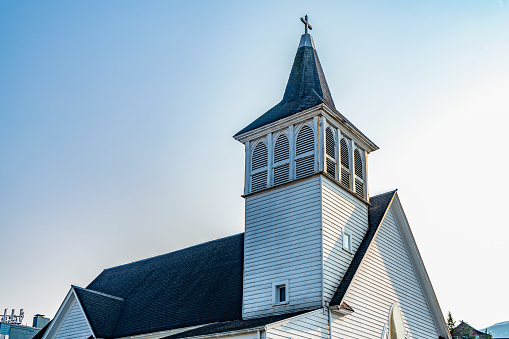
{"points": [[176, 251], [358, 258]]}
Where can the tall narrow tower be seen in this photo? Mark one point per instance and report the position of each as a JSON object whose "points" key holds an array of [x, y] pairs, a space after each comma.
{"points": [[306, 194]]}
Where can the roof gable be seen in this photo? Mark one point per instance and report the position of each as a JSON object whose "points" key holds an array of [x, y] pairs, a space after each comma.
{"points": [[377, 215]]}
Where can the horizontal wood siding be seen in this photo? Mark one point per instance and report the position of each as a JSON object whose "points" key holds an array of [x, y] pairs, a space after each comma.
{"points": [[313, 325], [283, 242], [75, 325], [385, 276], [341, 211]]}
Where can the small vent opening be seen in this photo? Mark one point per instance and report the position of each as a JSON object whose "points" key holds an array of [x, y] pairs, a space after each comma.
{"points": [[345, 161], [358, 164], [304, 166], [281, 174], [331, 168], [259, 159], [345, 178], [258, 181], [305, 141], [281, 149], [359, 188], [330, 144]]}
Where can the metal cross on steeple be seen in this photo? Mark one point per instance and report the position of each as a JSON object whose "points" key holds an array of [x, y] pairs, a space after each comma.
{"points": [[306, 23]]}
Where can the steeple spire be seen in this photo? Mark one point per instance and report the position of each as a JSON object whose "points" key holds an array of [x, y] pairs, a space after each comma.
{"points": [[306, 85]]}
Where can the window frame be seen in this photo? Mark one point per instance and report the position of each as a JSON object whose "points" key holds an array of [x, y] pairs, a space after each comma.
{"points": [[347, 248], [276, 287]]}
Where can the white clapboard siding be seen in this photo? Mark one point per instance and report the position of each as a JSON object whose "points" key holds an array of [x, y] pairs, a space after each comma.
{"points": [[283, 242], [341, 211], [312, 325], [385, 276], [75, 325]]}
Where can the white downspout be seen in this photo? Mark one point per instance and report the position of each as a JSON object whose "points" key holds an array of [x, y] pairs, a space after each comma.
{"points": [[330, 323]]}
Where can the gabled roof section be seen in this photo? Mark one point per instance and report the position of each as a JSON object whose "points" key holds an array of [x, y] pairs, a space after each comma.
{"points": [[94, 305], [306, 87], [193, 286], [378, 207]]}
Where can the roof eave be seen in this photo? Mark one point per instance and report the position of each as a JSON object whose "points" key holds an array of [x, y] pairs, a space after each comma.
{"points": [[351, 127], [260, 131], [248, 135]]}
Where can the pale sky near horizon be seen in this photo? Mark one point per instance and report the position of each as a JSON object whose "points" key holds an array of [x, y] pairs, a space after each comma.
{"points": [[117, 117]]}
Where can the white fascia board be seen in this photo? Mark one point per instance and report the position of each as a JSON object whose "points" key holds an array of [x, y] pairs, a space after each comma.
{"points": [[352, 133], [162, 334], [420, 269], [83, 311], [229, 334], [278, 124], [62, 312]]}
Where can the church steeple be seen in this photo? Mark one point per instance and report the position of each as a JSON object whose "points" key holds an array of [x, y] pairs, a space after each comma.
{"points": [[306, 85], [304, 134]]}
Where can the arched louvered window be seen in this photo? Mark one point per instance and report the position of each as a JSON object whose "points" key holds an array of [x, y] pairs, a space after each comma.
{"points": [[281, 160], [345, 163], [330, 152], [304, 152], [259, 162], [359, 177]]}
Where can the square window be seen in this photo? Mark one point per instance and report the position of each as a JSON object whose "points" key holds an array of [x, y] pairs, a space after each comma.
{"points": [[280, 294], [347, 241]]}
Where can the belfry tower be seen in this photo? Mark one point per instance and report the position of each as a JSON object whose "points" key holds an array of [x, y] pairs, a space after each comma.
{"points": [[306, 194]]}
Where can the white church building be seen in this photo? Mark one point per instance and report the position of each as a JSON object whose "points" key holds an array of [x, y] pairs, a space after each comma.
{"points": [[319, 259]]}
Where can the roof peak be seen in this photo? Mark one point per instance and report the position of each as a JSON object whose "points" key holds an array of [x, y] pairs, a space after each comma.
{"points": [[306, 40], [306, 86]]}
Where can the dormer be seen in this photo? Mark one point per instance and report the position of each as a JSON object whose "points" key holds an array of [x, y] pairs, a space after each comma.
{"points": [[305, 134]]}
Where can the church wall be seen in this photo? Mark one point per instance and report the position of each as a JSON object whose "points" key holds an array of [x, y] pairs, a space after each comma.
{"points": [[313, 325], [283, 242], [341, 212], [74, 325], [385, 276]]}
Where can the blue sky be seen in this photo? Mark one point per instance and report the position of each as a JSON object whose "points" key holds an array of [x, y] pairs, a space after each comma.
{"points": [[116, 124]]}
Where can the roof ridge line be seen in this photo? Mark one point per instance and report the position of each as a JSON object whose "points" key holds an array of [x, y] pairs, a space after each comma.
{"points": [[97, 292], [179, 250]]}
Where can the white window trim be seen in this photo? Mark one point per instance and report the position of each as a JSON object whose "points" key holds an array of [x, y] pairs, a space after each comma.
{"points": [[275, 286], [345, 233]]}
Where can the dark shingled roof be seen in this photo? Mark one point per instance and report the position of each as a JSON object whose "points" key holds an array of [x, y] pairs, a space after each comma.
{"points": [[94, 304], [235, 325], [306, 87], [199, 285], [194, 286], [376, 211]]}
